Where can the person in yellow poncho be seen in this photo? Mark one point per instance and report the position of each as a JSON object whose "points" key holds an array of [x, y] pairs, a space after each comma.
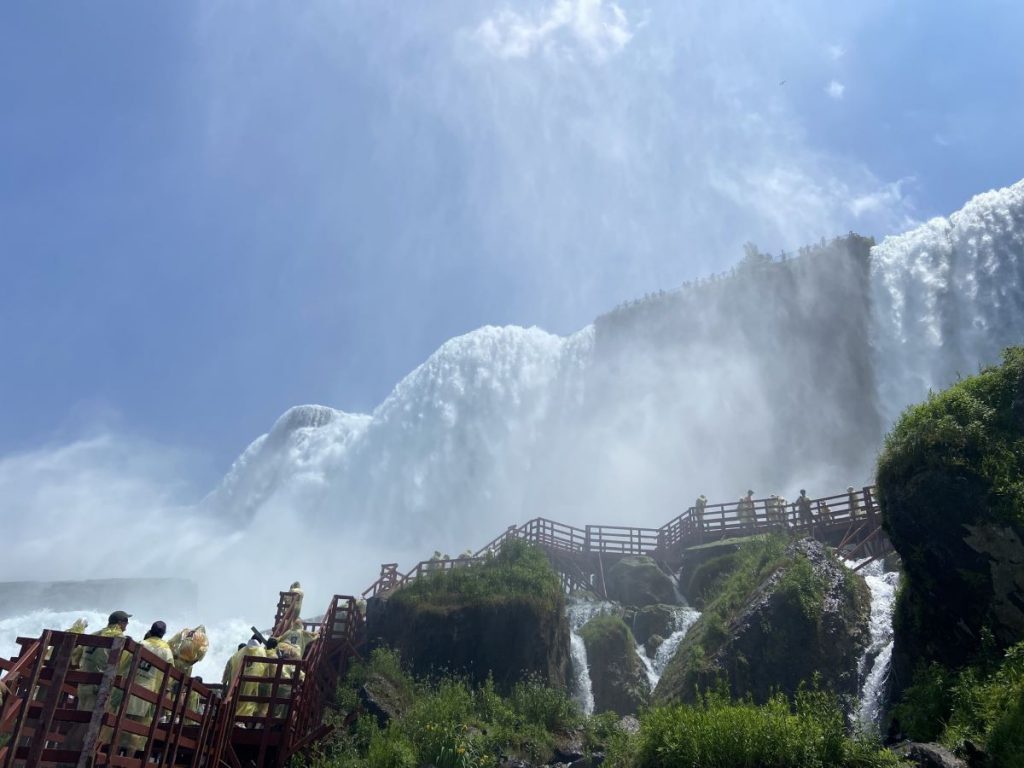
{"points": [[234, 667], [150, 677], [286, 650], [293, 603], [298, 637], [95, 660]]}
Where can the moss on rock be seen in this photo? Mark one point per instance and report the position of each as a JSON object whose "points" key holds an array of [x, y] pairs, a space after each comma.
{"points": [[784, 616], [504, 619], [617, 675], [639, 581]]}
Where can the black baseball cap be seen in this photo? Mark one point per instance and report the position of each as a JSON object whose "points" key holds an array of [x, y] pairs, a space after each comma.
{"points": [[119, 617]]}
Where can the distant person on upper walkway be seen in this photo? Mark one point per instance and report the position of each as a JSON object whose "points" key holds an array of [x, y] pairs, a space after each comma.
{"points": [[293, 603], [745, 510], [854, 503], [803, 508], [698, 511]]}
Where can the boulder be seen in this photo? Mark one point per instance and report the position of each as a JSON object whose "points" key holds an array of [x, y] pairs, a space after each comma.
{"points": [[618, 679], [652, 644], [652, 620], [806, 616], [949, 491], [381, 699], [639, 581], [929, 755], [506, 640]]}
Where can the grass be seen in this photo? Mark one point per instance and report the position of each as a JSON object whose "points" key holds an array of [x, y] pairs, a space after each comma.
{"points": [[718, 733], [520, 571], [448, 723], [980, 705]]}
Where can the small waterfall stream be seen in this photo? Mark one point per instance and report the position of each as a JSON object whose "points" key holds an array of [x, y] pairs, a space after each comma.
{"points": [[581, 611], [684, 619], [873, 667]]}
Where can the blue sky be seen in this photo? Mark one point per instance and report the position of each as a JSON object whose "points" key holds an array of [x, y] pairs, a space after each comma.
{"points": [[212, 211]]}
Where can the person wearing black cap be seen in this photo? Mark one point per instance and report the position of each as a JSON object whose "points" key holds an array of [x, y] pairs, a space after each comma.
{"points": [[149, 676]]}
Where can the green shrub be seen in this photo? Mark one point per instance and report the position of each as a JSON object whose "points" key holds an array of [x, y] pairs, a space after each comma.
{"points": [[925, 704], [799, 584], [988, 708], [451, 745], [390, 749], [550, 708], [519, 570], [717, 733]]}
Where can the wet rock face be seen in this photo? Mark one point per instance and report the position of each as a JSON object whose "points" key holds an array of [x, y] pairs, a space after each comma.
{"points": [[809, 616], [507, 640], [652, 620], [617, 675], [638, 581]]}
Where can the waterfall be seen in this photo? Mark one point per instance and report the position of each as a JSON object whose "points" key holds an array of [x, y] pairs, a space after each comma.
{"points": [[947, 297], [873, 666], [683, 620], [580, 611]]}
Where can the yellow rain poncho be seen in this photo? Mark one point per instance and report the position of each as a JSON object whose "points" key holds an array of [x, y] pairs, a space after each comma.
{"points": [[189, 647], [293, 602], [298, 637], [247, 708], [95, 660], [150, 676], [285, 650]]}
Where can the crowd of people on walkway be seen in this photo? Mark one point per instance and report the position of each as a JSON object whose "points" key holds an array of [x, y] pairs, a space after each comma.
{"points": [[779, 513], [183, 651]]}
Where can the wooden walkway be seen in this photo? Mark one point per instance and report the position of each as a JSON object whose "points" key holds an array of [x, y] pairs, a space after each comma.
{"points": [[849, 521], [43, 721]]}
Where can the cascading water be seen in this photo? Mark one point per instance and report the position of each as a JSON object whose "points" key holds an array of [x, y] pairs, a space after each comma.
{"points": [[947, 297], [873, 666], [580, 611], [683, 620]]}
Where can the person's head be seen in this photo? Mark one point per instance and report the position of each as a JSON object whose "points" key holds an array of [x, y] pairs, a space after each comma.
{"points": [[158, 629], [295, 585], [749, 493], [850, 489], [803, 492], [271, 644], [119, 618], [240, 646], [297, 624]]}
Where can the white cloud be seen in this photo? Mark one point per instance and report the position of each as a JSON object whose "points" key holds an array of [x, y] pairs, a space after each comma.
{"points": [[835, 89], [836, 52], [888, 197], [601, 29]]}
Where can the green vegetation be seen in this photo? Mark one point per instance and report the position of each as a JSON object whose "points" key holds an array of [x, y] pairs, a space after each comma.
{"points": [[725, 598], [520, 571], [972, 430], [951, 489], [980, 705], [450, 724], [718, 733], [780, 596], [447, 722]]}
